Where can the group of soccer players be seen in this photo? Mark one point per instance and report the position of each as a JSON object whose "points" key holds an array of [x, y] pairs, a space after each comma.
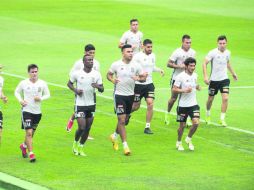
{"points": [[132, 80]]}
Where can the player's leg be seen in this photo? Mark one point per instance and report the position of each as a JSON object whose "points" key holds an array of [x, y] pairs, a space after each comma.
{"points": [[181, 118], [29, 143], [171, 103], [224, 95], [1, 126], [149, 115], [122, 132], [81, 120], [212, 91]]}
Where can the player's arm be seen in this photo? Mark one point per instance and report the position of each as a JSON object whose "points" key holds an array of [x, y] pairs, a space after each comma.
{"points": [[75, 90], [204, 66], [172, 64], [159, 70], [98, 84], [17, 94], [110, 77], [179, 90], [230, 68], [122, 41]]}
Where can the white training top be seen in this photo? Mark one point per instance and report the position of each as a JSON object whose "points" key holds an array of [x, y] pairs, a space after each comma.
{"points": [[219, 62], [178, 57], [183, 81], [84, 82], [1, 85], [133, 39], [29, 90], [147, 63], [124, 73], [79, 65]]}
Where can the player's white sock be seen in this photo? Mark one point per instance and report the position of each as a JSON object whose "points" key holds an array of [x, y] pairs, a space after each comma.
{"points": [[222, 116], [30, 153], [147, 125], [115, 135], [125, 144], [208, 113], [24, 145], [188, 139]]}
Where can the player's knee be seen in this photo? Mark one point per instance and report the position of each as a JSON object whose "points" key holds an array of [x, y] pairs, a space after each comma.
{"points": [[225, 99], [121, 121], [29, 134], [195, 122]]}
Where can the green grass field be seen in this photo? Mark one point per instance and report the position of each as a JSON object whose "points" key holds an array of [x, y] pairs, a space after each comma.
{"points": [[53, 33]]}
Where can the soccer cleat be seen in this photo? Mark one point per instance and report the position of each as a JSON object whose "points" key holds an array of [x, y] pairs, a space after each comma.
{"points": [[188, 122], [75, 148], [90, 138], [223, 123], [126, 151], [166, 119], [148, 131], [189, 142], [23, 150], [32, 157], [127, 120], [81, 151], [179, 146], [69, 125], [208, 120], [114, 142]]}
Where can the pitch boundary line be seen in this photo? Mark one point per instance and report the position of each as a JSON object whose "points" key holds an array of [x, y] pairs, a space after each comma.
{"points": [[142, 106]]}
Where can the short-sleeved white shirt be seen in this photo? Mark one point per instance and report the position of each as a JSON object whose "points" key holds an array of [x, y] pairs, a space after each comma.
{"points": [[84, 82], [219, 62], [124, 73], [178, 57], [79, 65], [147, 63], [133, 39], [183, 81], [29, 90]]}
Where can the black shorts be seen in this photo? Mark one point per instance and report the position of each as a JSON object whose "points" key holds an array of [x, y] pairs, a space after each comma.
{"points": [[215, 86], [84, 111], [123, 104], [30, 120], [184, 112], [1, 120], [143, 90]]}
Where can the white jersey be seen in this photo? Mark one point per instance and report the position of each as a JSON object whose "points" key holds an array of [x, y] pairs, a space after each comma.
{"points": [[124, 73], [1, 84], [178, 57], [183, 81], [84, 82], [219, 62], [79, 65], [147, 63], [29, 90], [133, 39]]}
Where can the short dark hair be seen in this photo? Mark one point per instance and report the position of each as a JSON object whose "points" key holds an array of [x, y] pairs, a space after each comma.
{"points": [[185, 36], [147, 41], [189, 60], [89, 47], [32, 66], [221, 37], [125, 46], [133, 20]]}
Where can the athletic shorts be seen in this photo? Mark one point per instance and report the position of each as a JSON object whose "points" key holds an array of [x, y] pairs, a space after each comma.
{"points": [[215, 86], [1, 120], [123, 104], [143, 90], [84, 111], [184, 112], [30, 120]]}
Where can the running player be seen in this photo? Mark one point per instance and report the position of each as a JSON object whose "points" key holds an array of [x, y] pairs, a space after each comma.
{"points": [[186, 85], [87, 80], [146, 60], [30, 93], [219, 81], [126, 73], [132, 37], [176, 61]]}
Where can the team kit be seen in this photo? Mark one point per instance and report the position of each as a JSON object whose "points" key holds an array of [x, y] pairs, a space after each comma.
{"points": [[131, 77]]}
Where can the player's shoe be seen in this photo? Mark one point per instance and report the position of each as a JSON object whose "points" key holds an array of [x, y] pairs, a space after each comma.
{"points": [[90, 138], [114, 142], [189, 142], [179, 146], [126, 151], [166, 120], [188, 122], [69, 125], [223, 123], [75, 148], [32, 157], [23, 150], [81, 151], [127, 120], [208, 120], [148, 131]]}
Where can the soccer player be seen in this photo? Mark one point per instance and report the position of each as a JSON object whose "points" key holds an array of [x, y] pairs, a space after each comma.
{"points": [[146, 60], [30, 93], [4, 99], [87, 80], [132, 37], [123, 74], [79, 65], [186, 85], [176, 62], [218, 81]]}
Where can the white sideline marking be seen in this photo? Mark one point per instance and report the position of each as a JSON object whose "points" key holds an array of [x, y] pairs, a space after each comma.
{"points": [[143, 106]]}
